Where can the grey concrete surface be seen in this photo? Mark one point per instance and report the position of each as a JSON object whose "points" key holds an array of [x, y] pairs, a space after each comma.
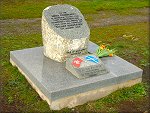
{"points": [[56, 82]]}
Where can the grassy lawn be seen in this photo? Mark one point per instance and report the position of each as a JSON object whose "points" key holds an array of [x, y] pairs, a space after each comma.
{"points": [[131, 42], [12, 9]]}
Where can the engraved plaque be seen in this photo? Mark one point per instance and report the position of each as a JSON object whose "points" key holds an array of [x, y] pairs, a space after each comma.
{"points": [[83, 67], [64, 20]]}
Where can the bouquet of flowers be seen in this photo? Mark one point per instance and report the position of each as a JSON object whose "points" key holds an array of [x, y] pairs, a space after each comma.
{"points": [[103, 51]]}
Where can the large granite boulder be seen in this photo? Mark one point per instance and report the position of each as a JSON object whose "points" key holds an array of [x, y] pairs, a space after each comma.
{"points": [[64, 32]]}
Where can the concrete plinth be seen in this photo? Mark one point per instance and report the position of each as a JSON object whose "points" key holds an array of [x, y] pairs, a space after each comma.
{"points": [[61, 89]]}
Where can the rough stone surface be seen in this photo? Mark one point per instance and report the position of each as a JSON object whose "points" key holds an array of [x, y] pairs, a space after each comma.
{"points": [[56, 82], [86, 68], [64, 30]]}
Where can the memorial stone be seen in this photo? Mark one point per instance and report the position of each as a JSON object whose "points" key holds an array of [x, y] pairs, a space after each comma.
{"points": [[66, 38], [64, 31]]}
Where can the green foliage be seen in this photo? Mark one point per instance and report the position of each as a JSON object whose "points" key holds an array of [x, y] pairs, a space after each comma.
{"points": [[104, 52], [10, 100], [34, 8]]}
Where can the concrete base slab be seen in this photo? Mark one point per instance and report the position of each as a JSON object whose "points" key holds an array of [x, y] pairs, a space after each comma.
{"points": [[61, 89]]}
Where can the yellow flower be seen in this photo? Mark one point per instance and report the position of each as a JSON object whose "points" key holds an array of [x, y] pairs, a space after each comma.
{"points": [[102, 47], [110, 55]]}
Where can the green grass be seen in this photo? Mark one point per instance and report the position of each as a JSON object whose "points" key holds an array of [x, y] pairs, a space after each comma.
{"points": [[131, 93], [131, 42], [33, 8]]}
